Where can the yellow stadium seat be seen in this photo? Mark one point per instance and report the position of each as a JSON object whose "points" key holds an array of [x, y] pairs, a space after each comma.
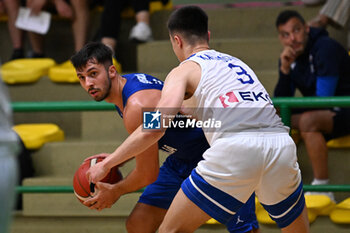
{"points": [[212, 221], [295, 135], [342, 142], [117, 65], [341, 212], [158, 6], [318, 205], [261, 214], [26, 70], [314, 209], [34, 136], [65, 72], [3, 18]]}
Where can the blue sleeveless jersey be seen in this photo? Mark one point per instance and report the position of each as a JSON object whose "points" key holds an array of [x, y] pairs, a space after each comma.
{"points": [[186, 143]]}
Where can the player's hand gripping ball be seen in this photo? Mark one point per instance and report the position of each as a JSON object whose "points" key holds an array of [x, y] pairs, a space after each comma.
{"points": [[82, 188]]}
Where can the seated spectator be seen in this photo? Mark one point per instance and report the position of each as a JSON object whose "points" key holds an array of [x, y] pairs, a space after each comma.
{"points": [[76, 10], [10, 7], [111, 21], [335, 13], [318, 66]]}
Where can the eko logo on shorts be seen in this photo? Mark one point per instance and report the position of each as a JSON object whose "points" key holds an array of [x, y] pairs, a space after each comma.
{"points": [[230, 98], [151, 120]]}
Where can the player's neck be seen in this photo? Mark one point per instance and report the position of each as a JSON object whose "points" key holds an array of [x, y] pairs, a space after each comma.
{"points": [[190, 50], [196, 49], [116, 94], [200, 48]]}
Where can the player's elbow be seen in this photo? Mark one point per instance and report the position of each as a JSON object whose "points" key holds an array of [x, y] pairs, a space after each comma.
{"points": [[153, 135], [150, 179], [149, 176]]}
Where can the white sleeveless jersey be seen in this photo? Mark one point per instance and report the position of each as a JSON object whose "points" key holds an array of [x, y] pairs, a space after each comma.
{"points": [[229, 93]]}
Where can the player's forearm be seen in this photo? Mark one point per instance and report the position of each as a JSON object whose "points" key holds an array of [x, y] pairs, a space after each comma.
{"points": [[134, 145], [144, 173], [136, 180]]}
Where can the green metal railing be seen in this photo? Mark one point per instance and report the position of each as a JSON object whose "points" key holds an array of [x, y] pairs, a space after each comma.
{"points": [[63, 106], [286, 103], [283, 103]]}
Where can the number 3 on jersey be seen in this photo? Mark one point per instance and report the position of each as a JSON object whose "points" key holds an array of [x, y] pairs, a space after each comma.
{"points": [[245, 77]]}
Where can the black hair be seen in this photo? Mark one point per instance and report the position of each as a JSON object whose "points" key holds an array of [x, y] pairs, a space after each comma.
{"points": [[191, 22], [97, 51], [286, 15]]}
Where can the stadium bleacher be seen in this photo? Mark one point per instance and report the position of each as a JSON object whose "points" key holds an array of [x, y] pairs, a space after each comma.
{"points": [[243, 28]]}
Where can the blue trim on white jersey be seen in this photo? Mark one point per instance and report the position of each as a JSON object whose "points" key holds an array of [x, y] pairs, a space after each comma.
{"points": [[245, 219], [285, 212], [216, 203]]}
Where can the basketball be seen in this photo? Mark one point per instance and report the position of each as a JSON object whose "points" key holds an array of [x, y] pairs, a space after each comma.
{"points": [[82, 187]]}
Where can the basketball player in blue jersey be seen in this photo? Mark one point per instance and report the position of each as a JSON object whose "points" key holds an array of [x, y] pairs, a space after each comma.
{"points": [[131, 93], [251, 151]]}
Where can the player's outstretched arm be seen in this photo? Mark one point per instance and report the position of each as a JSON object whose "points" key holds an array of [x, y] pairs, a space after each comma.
{"points": [[173, 94]]}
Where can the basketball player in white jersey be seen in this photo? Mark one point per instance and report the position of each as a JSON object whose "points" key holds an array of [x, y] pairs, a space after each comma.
{"points": [[9, 147], [251, 150]]}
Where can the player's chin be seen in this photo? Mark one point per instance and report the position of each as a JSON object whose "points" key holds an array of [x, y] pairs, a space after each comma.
{"points": [[98, 99]]}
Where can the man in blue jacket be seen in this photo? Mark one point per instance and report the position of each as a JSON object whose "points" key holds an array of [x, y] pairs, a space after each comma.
{"points": [[316, 65]]}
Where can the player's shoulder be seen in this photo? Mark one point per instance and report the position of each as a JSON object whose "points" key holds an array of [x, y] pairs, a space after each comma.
{"points": [[185, 69], [142, 78], [143, 100]]}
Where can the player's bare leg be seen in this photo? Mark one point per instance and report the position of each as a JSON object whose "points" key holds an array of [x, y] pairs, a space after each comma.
{"points": [[183, 216], [300, 224], [145, 218]]}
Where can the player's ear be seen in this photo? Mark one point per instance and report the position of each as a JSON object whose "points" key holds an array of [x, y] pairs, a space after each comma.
{"points": [[208, 35], [112, 71], [178, 40]]}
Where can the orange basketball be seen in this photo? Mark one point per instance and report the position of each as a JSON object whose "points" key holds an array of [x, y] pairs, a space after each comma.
{"points": [[82, 187]]}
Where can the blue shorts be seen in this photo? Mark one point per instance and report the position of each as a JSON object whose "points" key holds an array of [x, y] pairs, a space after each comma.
{"points": [[171, 175]]}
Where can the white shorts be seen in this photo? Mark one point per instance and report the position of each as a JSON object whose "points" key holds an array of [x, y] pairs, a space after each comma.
{"points": [[235, 167]]}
